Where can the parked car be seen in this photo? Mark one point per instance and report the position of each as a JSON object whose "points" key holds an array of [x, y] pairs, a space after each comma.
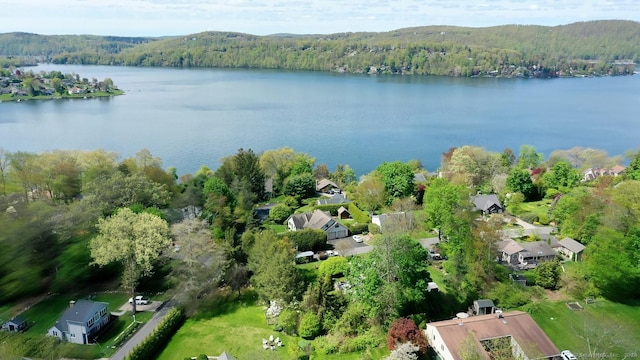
{"points": [[357, 238], [568, 355], [333, 253], [140, 300]]}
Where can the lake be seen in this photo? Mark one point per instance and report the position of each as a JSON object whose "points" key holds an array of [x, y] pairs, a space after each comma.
{"points": [[194, 117]]}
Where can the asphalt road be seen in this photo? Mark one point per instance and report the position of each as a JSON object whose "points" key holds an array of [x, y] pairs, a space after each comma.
{"points": [[142, 333]]}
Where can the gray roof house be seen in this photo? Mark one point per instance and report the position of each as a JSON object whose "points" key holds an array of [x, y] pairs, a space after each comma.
{"points": [[318, 220], [335, 199], [525, 254], [326, 185], [571, 249], [80, 323], [488, 204], [16, 324]]}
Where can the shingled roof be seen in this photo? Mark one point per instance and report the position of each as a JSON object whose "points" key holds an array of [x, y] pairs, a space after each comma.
{"points": [[80, 312], [517, 324]]}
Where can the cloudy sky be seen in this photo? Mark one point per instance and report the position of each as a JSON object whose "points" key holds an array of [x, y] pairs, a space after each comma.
{"points": [[262, 17]]}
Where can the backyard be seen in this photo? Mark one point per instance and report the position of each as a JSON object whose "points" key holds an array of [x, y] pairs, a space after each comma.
{"points": [[238, 328], [603, 327]]}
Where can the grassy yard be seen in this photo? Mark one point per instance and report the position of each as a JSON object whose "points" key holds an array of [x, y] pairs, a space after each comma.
{"points": [[239, 330], [612, 328], [540, 208]]}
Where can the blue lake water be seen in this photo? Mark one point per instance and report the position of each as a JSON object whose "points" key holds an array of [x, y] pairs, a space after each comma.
{"points": [[194, 117]]}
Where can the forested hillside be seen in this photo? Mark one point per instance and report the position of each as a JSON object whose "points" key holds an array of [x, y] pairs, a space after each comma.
{"points": [[585, 48]]}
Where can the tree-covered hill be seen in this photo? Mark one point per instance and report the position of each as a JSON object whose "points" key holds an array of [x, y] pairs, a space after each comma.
{"points": [[584, 48]]}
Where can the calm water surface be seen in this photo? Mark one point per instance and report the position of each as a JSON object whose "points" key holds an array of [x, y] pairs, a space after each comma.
{"points": [[196, 117]]}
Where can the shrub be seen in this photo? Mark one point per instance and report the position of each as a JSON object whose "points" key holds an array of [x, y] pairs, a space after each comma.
{"points": [[280, 212], [150, 346], [309, 326], [544, 220], [326, 345], [331, 208], [405, 330], [529, 217], [373, 228], [335, 266], [551, 193], [509, 295], [288, 321], [368, 340], [358, 228], [357, 214], [307, 239]]}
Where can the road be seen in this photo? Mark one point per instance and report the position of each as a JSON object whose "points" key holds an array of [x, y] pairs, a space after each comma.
{"points": [[142, 333]]}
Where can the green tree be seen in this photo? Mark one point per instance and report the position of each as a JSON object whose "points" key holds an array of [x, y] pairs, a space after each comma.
{"points": [[309, 326], [300, 186], [275, 276], [443, 201], [280, 212], [397, 178], [135, 241], [633, 170], [371, 194], [612, 263], [529, 158], [561, 177], [519, 180], [548, 274]]}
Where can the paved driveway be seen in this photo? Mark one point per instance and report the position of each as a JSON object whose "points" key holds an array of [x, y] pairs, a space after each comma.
{"points": [[142, 333], [347, 246]]}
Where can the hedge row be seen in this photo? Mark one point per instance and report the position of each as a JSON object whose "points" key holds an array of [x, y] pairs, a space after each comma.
{"points": [[151, 345]]}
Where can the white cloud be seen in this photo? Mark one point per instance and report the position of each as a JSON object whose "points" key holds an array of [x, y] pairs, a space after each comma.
{"points": [[173, 17]]}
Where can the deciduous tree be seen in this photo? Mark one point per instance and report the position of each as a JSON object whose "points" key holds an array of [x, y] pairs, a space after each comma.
{"points": [[135, 241]]}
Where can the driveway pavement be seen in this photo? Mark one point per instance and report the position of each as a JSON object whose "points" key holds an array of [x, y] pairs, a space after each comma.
{"points": [[347, 246], [142, 333]]}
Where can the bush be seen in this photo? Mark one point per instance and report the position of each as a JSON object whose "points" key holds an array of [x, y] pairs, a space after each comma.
{"points": [[288, 321], [150, 346], [529, 217], [373, 228], [307, 239], [326, 345], [369, 340], [358, 228], [510, 295], [405, 330], [331, 208], [551, 193], [544, 220], [334, 267], [357, 214], [309, 326], [280, 212]]}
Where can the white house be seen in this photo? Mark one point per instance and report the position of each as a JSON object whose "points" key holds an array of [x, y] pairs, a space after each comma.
{"points": [[81, 321]]}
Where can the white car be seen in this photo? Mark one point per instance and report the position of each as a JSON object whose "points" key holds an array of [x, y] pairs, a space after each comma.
{"points": [[568, 355], [333, 253], [140, 300], [357, 238]]}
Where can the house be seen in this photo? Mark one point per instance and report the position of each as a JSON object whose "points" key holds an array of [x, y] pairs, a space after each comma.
{"points": [[76, 90], [483, 307], [80, 323], [326, 186], [419, 178], [335, 199], [225, 356], [525, 254], [450, 339], [18, 323], [571, 249], [394, 221], [343, 213], [318, 220], [593, 173], [488, 204]]}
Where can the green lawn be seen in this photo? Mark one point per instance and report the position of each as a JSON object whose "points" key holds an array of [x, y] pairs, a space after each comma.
{"points": [[239, 331], [612, 328], [540, 208]]}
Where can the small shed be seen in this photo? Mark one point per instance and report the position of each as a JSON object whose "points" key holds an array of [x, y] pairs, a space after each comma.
{"points": [[343, 213], [304, 256], [483, 307], [432, 287], [18, 323]]}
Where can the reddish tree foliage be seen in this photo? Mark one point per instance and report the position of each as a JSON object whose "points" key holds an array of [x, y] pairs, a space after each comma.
{"points": [[405, 330]]}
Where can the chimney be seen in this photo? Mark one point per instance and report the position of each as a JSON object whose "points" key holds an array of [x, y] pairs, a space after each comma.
{"points": [[71, 303]]}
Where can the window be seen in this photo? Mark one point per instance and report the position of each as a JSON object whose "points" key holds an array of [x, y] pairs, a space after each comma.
{"points": [[72, 335], [103, 312], [54, 333]]}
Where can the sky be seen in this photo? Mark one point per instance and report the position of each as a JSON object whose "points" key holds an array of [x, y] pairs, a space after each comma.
{"points": [[263, 17]]}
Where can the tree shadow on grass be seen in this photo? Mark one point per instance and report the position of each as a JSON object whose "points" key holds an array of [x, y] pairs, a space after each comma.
{"points": [[225, 302]]}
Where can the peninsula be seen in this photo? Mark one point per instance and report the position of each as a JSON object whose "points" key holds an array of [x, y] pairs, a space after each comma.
{"points": [[19, 85]]}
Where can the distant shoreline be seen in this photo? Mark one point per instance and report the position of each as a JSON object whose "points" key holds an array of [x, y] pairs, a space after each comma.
{"points": [[10, 98]]}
